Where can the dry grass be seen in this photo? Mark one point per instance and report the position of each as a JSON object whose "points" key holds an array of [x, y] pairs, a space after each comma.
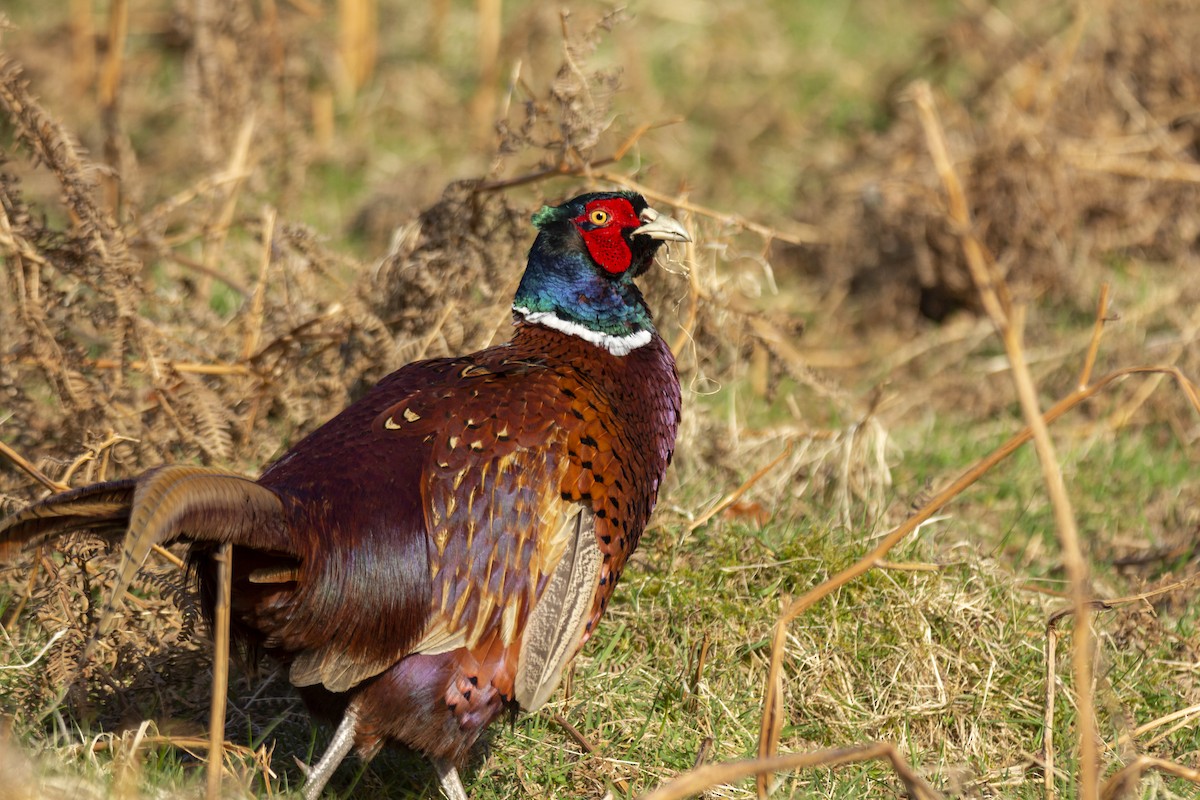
{"points": [[218, 279]]}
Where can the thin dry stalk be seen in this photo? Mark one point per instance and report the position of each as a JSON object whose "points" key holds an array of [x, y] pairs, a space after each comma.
{"points": [[358, 41], [1131, 167], [1171, 731], [239, 163], [701, 660], [254, 319], [1048, 708], [736, 494], [797, 233], [190, 367], [587, 745], [32, 471], [483, 103], [21, 463], [1161, 590], [1125, 412], [1089, 360], [190, 744], [154, 218], [1009, 322], [1125, 781], [699, 780], [94, 452], [220, 685], [110, 98], [15, 613], [909, 566], [126, 766], [1183, 714], [83, 45], [687, 328], [1049, 90]]}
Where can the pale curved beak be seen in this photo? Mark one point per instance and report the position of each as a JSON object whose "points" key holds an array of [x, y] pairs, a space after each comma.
{"points": [[660, 226]]}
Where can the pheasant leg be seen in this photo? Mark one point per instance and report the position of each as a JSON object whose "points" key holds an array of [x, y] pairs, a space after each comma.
{"points": [[448, 776], [343, 741]]}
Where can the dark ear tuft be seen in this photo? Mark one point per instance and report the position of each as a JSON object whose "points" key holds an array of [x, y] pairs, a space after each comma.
{"points": [[545, 216]]}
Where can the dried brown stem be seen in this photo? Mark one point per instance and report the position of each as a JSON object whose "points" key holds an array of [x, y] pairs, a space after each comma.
{"points": [[733, 496], [190, 744], [1009, 322], [586, 744], [178, 366], [706, 777], [155, 216], [695, 292], [358, 42], [1181, 714], [1089, 361], [239, 161], [701, 660], [220, 684], [798, 232], [909, 566], [83, 45], [487, 51], [110, 95], [1125, 781], [575, 733], [1131, 167], [1123, 413], [254, 319], [1051, 656], [206, 271], [29, 469], [1048, 708], [92, 454]]}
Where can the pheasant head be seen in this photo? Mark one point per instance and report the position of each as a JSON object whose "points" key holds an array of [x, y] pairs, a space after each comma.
{"points": [[579, 279]]}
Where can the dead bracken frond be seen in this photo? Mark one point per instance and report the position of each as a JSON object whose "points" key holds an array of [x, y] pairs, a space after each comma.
{"points": [[1075, 145], [569, 118]]}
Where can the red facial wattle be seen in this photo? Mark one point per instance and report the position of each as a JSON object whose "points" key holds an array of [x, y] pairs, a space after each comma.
{"points": [[603, 224]]}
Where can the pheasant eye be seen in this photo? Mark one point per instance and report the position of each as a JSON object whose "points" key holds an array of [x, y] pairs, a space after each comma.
{"points": [[599, 217]]}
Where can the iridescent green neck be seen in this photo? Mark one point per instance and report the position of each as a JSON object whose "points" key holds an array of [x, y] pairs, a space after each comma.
{"points": [[562, 282], [562, 291]]}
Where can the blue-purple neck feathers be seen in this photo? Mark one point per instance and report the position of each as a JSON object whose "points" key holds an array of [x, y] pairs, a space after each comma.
{"points": [[561, 280]]}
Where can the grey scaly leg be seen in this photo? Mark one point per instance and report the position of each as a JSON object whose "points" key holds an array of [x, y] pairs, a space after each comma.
{"points": [[448, 776], [343, 741]]}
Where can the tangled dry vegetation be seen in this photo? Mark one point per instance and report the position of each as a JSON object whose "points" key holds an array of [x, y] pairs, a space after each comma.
{"points": [[160, 308], [1077, 144]]}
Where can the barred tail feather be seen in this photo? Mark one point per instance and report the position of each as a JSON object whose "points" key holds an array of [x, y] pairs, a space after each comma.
{"points": [[198, 504], [103, 508], [164, 504]]}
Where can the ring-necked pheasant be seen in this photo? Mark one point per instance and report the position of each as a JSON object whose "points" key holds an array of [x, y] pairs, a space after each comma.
{"points": [[440, 550]]}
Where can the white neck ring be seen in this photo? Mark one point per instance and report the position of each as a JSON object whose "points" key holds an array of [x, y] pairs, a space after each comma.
{"points": [[617, 345]]}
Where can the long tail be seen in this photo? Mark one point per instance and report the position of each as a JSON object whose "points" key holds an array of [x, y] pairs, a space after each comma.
{"points": [[102, 508], [162, 505]]}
